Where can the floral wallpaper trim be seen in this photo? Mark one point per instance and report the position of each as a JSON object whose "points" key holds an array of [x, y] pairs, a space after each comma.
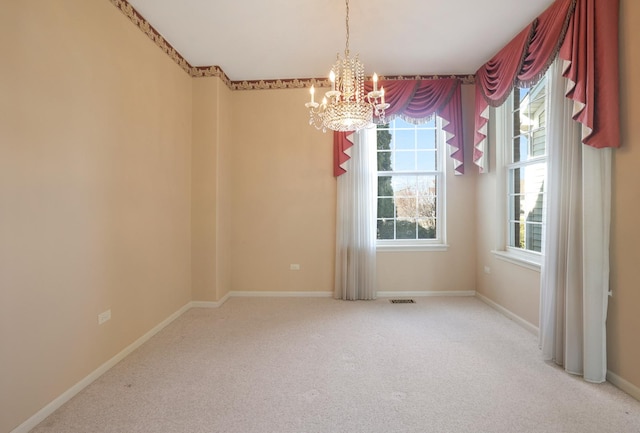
{"points": [[137, 19]]}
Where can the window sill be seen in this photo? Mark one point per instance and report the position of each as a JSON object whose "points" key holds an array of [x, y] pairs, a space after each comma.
{"points": [[410, 247], [517, 260]]}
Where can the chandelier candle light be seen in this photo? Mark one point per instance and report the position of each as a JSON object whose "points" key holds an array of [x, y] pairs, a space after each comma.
{"points": [[346, 107]]}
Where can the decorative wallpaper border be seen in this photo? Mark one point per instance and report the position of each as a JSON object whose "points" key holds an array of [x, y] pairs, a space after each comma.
{"points": [[464, 78], [294, 83], [297, 83], [137, 19], [215, 71], [211, 71]]}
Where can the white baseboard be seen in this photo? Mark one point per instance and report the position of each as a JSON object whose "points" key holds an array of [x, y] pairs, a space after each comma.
{"points": [[43, 413], [322, 294], [623, 384], [426, 293], [519, 320], [210, 304], [260, 294], [206, 304]]}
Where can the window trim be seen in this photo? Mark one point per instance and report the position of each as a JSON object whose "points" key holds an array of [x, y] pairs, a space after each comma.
{"points": [[389, 245], [440, 242], [526, 259]]}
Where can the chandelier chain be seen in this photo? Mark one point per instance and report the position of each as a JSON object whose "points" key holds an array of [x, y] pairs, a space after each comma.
{"points": [[346, 50]]}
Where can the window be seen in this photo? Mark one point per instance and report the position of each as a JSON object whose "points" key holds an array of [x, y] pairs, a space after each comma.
{"points": [[411, 178], [524, 163]]}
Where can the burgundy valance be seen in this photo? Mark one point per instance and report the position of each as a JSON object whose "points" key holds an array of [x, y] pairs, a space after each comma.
{"points": [[417, 100], [585, 34]]}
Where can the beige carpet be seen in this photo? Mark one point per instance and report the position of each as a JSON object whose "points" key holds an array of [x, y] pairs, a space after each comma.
{"points": [[319, 365]]}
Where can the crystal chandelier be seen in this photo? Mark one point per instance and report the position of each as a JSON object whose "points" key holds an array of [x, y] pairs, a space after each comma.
{"points": [[346, 107]]}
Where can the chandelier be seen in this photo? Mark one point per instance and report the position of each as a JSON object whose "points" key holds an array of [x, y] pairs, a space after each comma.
{"points": [[346, 107]]}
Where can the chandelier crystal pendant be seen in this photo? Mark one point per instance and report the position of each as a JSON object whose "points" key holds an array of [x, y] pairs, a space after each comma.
{"points": [[346, 107]]}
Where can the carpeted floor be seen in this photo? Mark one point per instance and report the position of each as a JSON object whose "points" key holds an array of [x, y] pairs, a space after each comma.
{"points": [[285, 365]]}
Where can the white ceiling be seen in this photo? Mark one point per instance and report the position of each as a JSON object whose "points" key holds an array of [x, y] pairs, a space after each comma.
{"points": [[258, 39]]}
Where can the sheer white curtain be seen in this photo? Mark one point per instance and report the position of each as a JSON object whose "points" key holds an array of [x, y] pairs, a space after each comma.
{"points": [[355, 222], [575, 272]]}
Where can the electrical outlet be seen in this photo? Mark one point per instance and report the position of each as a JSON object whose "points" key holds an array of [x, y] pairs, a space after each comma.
{"points": [[104, 316], [294, 267], [487, 270]]}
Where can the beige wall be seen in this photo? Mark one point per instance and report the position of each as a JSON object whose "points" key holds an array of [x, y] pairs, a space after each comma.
{"points": [[95, 132], [283, 195], [284, 206], [211, 189], [623, 322], [224, 215], [204, 181]]}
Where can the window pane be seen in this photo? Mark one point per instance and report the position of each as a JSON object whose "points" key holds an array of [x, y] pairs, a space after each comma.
{"points": [[406, 207], [427, 160], [426, 184], [426, 206], [532, 180], [533, 207], [427, 196], [516, 235], [406, 229], [385, 188], [538, 144], [404, 186], [404, 161], [534, 237], [385, 208], [386, 229], [427, 228], [384, 161], [427, 138], [404, 139], [520, 148]]}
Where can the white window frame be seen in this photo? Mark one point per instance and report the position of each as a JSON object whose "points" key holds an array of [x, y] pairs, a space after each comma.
{"points": [[504, 135], [439, 242]]}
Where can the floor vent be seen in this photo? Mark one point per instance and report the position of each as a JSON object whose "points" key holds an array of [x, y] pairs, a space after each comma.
{"points": [[402, 301]]}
